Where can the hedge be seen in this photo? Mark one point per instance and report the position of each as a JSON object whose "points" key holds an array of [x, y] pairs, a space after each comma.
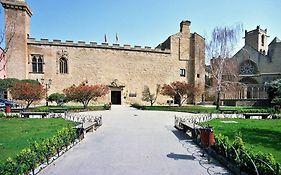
{"points": [[38, 153]]}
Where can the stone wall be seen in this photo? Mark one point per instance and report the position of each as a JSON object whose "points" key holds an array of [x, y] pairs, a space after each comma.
{"points": [[133, 67], [123, 68]]}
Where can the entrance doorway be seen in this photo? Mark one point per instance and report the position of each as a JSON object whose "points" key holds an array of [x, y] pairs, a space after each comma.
{"points": [[116, 97]]}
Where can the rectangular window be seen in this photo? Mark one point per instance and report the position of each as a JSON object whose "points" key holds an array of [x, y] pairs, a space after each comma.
{"points": [[131, 94], [182, 72]]}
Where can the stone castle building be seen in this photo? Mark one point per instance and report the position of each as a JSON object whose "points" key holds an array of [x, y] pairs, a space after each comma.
{"points": [[258, 62], [125, 69]]}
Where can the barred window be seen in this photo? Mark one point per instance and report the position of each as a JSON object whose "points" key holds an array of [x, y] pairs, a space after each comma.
{"points": [[182, 72], [37, 63], [63, 66]]}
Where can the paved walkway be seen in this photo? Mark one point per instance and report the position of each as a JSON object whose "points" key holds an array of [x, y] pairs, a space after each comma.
{"points": [[134, 142]]}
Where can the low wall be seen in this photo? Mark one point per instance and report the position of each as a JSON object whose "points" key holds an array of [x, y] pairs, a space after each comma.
{"points": [[246, 102]]}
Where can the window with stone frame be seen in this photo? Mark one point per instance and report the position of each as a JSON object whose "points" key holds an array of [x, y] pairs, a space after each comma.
{"points": [[63, 65], [37, 63], [182, 72]]}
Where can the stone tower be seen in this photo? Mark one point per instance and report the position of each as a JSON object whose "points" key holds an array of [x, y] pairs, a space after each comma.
{"points": [[17, 28], [192, 51], [257, 39]]}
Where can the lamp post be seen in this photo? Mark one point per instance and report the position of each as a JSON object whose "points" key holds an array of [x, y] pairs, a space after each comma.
{"points": [[47, 87]]}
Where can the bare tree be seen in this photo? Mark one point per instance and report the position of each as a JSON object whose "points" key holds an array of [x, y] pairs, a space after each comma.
{"points": [[148, 96], [7, 33], [220, 48]]}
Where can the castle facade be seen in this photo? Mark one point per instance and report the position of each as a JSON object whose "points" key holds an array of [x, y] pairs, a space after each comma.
{"points": [[125, 69]]}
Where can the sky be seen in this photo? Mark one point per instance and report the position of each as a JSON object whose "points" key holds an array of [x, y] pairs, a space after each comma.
{"points": [[146, 22]]}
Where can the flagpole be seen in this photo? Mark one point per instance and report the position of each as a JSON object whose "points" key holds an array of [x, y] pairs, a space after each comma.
{"points": [[105, 39], [116, 38]]}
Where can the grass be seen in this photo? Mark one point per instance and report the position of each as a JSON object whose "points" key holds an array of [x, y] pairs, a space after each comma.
{"points": [[15, 134], [259, 135], [204, 109]]}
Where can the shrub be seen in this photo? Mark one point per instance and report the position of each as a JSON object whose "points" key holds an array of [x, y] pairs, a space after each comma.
{"points": [[137, 106], [107, 106], [276, 116], [237, 153], [37, 153], [3, 115], [58, 98]]}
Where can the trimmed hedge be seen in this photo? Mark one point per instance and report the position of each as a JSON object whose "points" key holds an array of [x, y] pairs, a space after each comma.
{"points": [[38, 153], [4, 115]]}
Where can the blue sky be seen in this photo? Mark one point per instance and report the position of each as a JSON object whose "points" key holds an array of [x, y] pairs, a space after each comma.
{"points": [[146, 22]]}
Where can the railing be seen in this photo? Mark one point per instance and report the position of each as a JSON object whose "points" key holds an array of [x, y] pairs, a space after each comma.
{"points": [[83, 118], [224, 149], [199, 118]]}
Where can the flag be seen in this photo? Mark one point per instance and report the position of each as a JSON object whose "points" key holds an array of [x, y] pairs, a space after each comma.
{"points": [[105, 39], [116, 37]]}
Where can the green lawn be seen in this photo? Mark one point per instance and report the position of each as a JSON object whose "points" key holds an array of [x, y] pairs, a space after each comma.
{"points": [[15, 134], [204, 109], [260, 135]]}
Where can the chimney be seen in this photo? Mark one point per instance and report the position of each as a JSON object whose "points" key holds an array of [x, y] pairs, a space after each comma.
{"points": [[184, 26]]}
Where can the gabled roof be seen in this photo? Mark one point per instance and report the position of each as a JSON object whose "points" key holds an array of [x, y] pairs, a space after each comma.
{"points": [[275, 40]]}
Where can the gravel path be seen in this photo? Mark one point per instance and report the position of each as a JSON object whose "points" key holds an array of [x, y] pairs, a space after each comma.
{"points": [[134, 142]]}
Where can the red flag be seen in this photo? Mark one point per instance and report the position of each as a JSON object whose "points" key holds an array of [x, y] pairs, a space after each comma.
{"points": [[105, 39]]}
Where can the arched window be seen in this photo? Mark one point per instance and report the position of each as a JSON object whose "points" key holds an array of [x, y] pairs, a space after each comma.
{"points": [[37, 64], [34, 64], [63, 66], [40, 64]]}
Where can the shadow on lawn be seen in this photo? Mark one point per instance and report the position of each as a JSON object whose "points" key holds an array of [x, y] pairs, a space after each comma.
{"points": [[265, 137]]}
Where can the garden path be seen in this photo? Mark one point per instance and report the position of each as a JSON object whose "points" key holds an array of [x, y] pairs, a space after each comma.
{"points": [[134, 142]]}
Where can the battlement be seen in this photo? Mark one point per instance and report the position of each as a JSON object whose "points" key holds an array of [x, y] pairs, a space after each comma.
{"points": [[70, 43]]}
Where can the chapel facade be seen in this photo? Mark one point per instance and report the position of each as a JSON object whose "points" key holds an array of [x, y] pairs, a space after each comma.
{"points": [[258, 63], [124, 68]]}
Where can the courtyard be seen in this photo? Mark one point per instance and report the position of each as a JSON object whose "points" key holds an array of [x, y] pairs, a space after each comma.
{"points": [[132, 141]]}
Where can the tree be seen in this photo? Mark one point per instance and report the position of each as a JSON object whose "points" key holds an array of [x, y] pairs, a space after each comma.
{"points": [[181, 89], [84, 93], [58, 98], [28, 92], [148, 96], [220, 49], [7, 83], [274, 91]]}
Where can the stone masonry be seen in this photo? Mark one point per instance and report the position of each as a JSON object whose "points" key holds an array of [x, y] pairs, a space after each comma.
{"points": [[124, 68]]}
